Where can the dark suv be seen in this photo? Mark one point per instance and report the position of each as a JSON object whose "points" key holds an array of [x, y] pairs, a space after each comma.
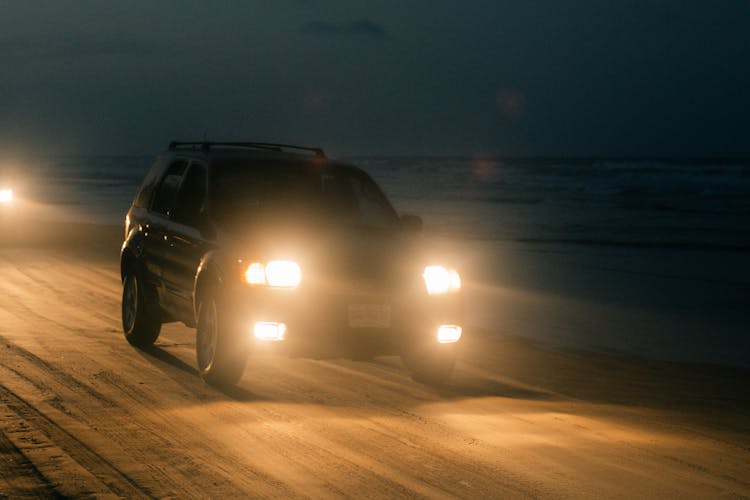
{"points": [[258, 244]]}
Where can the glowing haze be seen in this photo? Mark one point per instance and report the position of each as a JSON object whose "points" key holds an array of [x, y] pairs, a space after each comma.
{"points": [[641, 77]]}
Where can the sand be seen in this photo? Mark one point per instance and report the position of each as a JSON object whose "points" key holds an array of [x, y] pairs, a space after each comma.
{"points": [[84, 413]]}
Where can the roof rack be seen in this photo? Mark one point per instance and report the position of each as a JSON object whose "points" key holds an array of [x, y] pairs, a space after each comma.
{"points": [[268, 146]]}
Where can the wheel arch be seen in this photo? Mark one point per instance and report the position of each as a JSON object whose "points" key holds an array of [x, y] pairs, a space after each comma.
{"points": [[130, 252], [207, 277], [127, 260]]}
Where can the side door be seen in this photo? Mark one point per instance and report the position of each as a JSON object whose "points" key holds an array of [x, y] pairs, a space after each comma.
{"points": [[155, 227], [189, 238]]}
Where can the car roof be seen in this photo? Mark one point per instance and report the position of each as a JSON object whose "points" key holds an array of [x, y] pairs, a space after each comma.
{"points": [[299, 156], [245, 145]]}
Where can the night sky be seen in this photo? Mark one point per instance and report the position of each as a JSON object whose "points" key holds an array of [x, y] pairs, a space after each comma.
{"points": [[635, 78]]}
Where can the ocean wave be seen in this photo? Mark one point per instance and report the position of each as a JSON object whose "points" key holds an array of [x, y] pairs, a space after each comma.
{"points": [[684, 245], [511, 200]]}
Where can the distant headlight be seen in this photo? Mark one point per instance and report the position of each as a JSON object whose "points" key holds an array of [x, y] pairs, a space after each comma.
{"points": [[6, 195], [277, 273], [439, 279]]}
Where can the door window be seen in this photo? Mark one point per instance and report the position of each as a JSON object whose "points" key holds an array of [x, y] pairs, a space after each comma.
{"points": [[166, 195], [146, 191], [192, 195]]}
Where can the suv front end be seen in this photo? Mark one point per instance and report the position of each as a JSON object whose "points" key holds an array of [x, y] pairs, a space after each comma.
{"points": [[260, 249], [300, 309]]}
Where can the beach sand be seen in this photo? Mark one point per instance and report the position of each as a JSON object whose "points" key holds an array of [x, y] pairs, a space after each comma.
{"points": [[84, 413]]}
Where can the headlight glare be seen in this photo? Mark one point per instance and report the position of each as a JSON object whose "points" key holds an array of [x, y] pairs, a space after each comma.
{"points": [[447, 334], [455, 279], [438, 280], [268, 330], [283, 273], [276, 273]]}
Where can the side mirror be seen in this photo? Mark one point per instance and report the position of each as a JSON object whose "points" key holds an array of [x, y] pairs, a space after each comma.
{"points": [[411, 223]]}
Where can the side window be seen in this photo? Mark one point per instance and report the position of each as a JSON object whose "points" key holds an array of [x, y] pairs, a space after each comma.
{"points": [[166, 194], [192, 195], [143, 197]]}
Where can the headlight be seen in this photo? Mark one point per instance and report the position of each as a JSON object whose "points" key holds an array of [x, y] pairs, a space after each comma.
{"points": [[277, 273], [283, 273], [256, 274], [439, 279]]}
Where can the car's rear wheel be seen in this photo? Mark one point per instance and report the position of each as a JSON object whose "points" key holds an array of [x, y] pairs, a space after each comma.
{"points": [[430, 363], [141, 320], [221, 353]]}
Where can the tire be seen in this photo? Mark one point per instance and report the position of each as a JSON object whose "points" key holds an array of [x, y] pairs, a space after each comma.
{"points": [[432, 363], [221, 353], [141, 316]]}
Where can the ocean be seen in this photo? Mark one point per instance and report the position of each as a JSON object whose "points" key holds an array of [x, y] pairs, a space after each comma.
{"points": [[666, 239], [656, 203]]}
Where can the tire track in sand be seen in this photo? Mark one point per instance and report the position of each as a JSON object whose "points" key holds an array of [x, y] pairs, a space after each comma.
{"points": [[98, 475]]}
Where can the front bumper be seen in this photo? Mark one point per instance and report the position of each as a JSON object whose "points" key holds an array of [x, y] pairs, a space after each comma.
{"points": [[359, 321]]}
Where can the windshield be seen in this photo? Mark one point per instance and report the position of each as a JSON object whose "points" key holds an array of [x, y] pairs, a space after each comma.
{"points": [[248, 192]]}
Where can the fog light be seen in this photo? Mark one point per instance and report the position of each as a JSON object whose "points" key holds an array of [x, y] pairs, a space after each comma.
{"points": [[268, 330], [448, 333]]}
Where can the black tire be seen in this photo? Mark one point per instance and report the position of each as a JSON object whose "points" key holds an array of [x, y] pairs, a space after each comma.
{"points": [[141, 316], [221, 352], [430, 364]]}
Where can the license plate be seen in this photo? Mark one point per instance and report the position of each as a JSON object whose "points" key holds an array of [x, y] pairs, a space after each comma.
{"points": [[369, 316]]}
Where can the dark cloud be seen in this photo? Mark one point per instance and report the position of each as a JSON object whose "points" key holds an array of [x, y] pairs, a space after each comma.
{"points": [[641, 77], [362, 27]]}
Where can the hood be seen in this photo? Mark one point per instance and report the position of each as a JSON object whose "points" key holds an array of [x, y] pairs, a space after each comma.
{"points": [[364, 258]]}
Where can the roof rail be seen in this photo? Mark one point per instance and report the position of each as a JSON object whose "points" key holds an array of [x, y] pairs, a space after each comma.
{"points": [[268, 146]]}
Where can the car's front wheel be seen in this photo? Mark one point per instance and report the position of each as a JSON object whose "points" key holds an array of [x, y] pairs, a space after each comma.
{"points": [[141, 319], [221, 353], [430, 363]]}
